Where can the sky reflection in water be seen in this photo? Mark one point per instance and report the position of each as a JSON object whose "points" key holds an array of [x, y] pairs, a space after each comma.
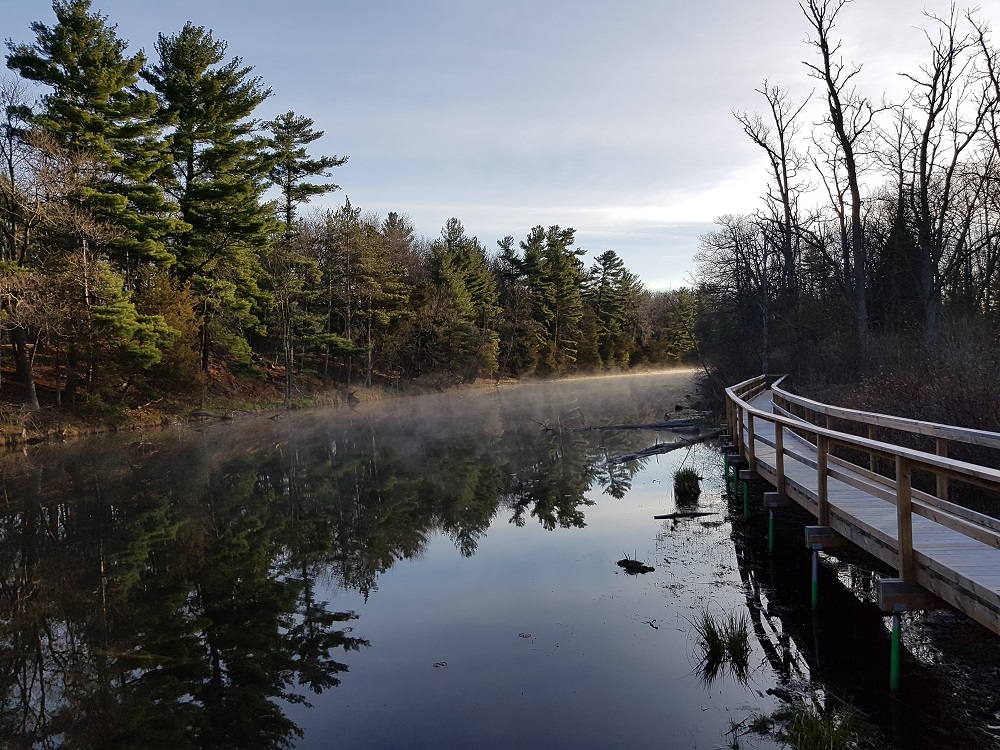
{"points": [[547, 642]]}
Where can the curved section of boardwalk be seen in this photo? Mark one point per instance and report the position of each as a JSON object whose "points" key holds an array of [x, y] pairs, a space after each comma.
{"points": [[861, 488]]}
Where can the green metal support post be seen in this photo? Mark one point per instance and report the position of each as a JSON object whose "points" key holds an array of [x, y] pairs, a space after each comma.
{"points": [[770, 531], [815, 577], [895, 653]]}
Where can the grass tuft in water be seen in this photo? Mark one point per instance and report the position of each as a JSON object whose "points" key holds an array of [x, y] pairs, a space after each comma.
{"points": [[804, 726], [759, 724], [687, 485], [724, 641]]}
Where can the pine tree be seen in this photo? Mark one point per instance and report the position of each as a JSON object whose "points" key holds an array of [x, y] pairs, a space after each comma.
{"points": [[466, 302], [292, 167], [611, 291], [555, 274], [521, 336], [95, 109], [218, 169], [217, 178]]}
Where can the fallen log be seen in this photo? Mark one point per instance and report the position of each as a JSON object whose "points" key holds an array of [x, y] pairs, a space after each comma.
{"points": [[683, 514], [665, 447], [669, 424]]}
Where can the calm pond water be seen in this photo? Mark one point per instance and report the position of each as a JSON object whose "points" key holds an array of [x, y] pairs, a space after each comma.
{"points": [[433, 572]]}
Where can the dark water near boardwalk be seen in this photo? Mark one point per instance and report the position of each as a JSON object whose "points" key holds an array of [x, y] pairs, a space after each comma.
{"points": [[422, 573]]}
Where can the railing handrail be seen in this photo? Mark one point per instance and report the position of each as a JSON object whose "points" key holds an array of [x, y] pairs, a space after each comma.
{"points": [[950, 466], [968, 435]]}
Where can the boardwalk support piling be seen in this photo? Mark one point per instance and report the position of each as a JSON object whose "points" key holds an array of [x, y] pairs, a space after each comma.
{"points": [[894, 655], [773, 500], [895, 595], [777, 500], [736, 464], [746, 475], [815, 577], [817, 538], [823, 537]]}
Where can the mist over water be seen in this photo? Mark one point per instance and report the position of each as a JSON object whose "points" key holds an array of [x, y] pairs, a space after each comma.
{"points": [[428, 572]]}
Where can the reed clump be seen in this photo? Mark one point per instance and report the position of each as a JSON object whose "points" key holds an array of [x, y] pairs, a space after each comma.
{"points": [[724, 642], [687, 485], [805, 726]]}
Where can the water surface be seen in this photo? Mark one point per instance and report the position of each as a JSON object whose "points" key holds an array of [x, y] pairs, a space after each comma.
{"points": [[423, 573]]}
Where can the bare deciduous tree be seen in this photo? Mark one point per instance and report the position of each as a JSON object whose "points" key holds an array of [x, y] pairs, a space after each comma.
{"points": [[850, 116], [786, 162]]}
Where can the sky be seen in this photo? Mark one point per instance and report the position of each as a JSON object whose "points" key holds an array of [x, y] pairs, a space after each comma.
{"points": [[614, 117]]}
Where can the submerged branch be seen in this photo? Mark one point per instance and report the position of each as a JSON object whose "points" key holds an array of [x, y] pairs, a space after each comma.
{"points": [[665, 447], [669, 424]]}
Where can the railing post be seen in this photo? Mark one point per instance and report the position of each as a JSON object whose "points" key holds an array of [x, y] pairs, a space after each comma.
{"points": [[739, 427], [779, 456], [751, 450], [904, 518], [942, 479], [872, 435], [823, 504]]}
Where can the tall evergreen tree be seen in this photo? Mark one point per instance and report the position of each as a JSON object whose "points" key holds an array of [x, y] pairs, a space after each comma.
{"points": [[217, 178], [564, 271], [466, 302], [292, 166], [521, 336], [218, 167], [95, 109], [611, 290]]}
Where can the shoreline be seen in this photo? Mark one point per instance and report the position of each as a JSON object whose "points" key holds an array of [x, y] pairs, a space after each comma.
{"points": [[21, 427]]}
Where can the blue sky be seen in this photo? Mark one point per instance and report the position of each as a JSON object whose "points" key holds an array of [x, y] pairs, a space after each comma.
{"points": [[610, 117]]}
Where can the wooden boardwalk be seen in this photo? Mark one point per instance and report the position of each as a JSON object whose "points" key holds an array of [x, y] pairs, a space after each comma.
{"points": [[944, 553]]}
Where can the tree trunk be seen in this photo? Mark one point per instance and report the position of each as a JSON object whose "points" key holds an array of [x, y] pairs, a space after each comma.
{"points": [[71, 374], [23, 363]]}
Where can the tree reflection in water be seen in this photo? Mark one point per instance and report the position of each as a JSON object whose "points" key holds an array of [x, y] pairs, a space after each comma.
{"points": [[162, 592]]}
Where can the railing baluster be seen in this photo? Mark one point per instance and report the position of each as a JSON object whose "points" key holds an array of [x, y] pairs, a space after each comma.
{"points": [[942, 479], [739, 428], [904, 518], [779, 456], [751, 448], [872, 435], [823, 503]]}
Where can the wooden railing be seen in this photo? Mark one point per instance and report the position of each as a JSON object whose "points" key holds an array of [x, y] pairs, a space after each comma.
{"points": [[791, 429], [872, 424]]}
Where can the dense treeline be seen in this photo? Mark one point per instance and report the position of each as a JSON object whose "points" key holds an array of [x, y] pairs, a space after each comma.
{"points": [[152, 234], [895, 268]]}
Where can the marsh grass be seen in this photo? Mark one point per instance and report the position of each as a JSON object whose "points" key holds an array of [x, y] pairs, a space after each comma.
{"points": [[724, 642], [687, 485], [759, 724], [805, 726]]}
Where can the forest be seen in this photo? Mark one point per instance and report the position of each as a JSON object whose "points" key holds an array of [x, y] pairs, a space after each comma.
{"points": [[155, 243], [871, 269]]}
